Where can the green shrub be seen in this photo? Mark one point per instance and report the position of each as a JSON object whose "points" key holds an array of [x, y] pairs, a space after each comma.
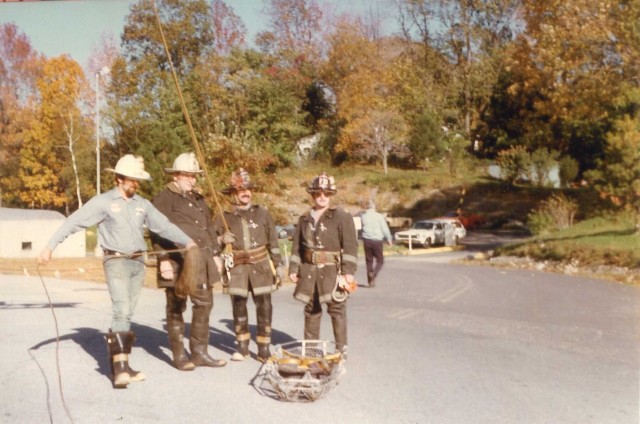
{"points": [[542, 161], [568, 170], [555, 213], [514, 162]]}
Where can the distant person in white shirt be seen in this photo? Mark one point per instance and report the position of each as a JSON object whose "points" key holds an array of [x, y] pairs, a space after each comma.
{"points": [[374, 230]]}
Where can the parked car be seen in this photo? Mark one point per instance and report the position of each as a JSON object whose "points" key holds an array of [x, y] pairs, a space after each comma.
{"points": [[424, 233], [394, 221], [459, 230], [471, 221]]}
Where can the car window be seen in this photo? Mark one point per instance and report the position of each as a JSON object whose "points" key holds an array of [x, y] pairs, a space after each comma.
{"points": [[423, 226]]}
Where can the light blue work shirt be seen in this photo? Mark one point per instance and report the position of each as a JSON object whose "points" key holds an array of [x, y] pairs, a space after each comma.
{"points": [[374, 226], [121, 223]]}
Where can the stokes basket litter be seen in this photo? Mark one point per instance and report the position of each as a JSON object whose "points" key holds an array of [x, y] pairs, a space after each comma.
{"points": [[304, 370]]}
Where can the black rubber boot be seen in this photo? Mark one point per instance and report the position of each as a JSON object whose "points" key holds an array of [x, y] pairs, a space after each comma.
{"points": [[263, 316], [134, 375], [119, 358], [241, 327], [199, 340], [175, 332]]}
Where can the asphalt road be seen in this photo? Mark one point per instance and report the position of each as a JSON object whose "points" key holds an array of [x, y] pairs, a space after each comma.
{"points": [[433, 342]]}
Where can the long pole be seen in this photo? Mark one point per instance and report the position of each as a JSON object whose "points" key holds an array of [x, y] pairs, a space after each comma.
{"points": [[97, 133], [98, 250], [185, 112]]}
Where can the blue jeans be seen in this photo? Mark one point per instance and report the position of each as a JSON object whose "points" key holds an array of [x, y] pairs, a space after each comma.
{"points": [[125, 278]]}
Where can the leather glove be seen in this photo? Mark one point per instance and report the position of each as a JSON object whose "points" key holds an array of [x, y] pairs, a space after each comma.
{"points": [[228, 237]]}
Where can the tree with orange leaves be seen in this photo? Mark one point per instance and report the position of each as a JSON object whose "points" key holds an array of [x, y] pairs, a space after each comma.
{"points": [[57, 134]]}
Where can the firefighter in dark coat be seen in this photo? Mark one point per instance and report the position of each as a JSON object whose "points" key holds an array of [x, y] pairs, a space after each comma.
{"points": [[181, 202], [251, 237], [325, 244]]}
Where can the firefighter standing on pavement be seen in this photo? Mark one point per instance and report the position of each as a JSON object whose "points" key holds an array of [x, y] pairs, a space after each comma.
{"points": [[324, 245], [256, 253], [181, 202]]}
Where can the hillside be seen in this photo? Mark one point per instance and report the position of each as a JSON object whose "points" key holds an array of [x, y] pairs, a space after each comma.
{"points": [[412, 193]]}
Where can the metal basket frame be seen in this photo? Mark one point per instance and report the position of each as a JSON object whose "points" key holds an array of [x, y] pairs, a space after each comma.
{"points": [[305, 385]]}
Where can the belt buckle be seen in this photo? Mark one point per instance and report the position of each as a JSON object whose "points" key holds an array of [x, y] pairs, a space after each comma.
{"points": [[320, 259]]}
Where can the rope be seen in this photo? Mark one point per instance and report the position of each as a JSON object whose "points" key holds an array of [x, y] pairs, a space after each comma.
{"points": [[61, 270], [55, 320], [185, 112]]}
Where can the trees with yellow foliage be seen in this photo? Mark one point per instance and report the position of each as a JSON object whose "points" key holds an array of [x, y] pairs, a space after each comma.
{"points": [[57, 131], [359, 70], [20, 66]]}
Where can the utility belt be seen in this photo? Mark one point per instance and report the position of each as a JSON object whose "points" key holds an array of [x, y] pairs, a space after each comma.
{"points": [[135, 254], [320, 257], [253, 256]]}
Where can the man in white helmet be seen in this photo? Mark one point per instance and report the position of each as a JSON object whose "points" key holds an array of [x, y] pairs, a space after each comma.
{"points": [[183, 204], [121, 216]]}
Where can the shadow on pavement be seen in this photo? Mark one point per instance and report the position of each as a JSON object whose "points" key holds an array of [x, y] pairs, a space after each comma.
{"points": [[12, 305], [152, 340], [92, 341]]}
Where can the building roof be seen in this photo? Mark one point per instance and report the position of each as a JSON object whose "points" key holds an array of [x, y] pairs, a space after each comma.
{"points": [[14, 214]]}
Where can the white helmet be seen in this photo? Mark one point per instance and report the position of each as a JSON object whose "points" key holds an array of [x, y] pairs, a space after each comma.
{"points": [[186, 163], [131, 167]]}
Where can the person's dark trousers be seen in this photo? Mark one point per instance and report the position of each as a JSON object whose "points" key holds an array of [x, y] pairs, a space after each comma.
{"points": [[373, 249]]}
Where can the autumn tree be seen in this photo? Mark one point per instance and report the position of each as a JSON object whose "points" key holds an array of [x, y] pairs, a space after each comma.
{"points": [[459, 44], [296, 39], [144, 110], [296, 30], [58, 134], [562, 76], [229, 31], [269, 110], [360, 73], [20, 66]]}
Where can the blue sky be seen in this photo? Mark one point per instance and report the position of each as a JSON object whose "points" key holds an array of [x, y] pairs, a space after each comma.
{"points": [[75, 27]]}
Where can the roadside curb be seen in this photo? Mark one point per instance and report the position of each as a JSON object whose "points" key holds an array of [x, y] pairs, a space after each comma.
{"points": [[430, 250]]}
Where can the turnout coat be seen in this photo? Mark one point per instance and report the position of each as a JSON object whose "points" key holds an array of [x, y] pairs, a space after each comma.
{"points": [[255, 252], [320, 250], [190, 212]]}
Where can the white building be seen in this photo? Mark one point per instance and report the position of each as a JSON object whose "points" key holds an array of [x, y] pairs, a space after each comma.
{"points": [[24, 232]]}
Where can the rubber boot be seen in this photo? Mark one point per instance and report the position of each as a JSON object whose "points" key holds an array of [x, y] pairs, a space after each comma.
{"points": [[119, 345], [263, 316], [338, 313], [241, 327], [175, 332], [199, 340], [129, 338]]}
